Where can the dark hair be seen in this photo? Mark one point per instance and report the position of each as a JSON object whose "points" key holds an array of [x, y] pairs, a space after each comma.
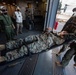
{"points": [[74, 9]]}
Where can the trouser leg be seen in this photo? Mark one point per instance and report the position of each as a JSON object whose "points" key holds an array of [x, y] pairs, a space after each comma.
{"points": [[67, 57], [8, 33], [63, 49], [12, 33], [8, 36], [17, 28], [21, 26], [32, 24], [14, 44], [16, 53]]}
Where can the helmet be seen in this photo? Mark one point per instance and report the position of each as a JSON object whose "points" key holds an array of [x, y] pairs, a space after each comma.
{"points": [[3, 9]]}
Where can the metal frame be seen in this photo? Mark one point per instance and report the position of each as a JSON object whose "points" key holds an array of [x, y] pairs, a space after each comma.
{"points": [[51, 10]]}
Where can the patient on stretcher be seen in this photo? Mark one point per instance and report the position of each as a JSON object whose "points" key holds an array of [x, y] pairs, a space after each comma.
{"points": [[33, 44]]}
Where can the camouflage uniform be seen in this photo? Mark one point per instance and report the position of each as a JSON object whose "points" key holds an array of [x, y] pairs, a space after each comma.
{"points": [[69, 54], [70, 28], [38, 43]]}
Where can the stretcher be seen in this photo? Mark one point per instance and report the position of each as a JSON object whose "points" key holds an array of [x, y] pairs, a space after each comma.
{"points": [[69, 38]]}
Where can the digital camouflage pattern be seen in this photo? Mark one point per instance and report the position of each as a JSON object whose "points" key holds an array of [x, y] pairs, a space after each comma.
{"points": [[19, 47]]}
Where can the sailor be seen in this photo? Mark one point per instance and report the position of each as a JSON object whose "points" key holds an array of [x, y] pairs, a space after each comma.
{"points": [[8, 24], [19, 20], [70, 27]]}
